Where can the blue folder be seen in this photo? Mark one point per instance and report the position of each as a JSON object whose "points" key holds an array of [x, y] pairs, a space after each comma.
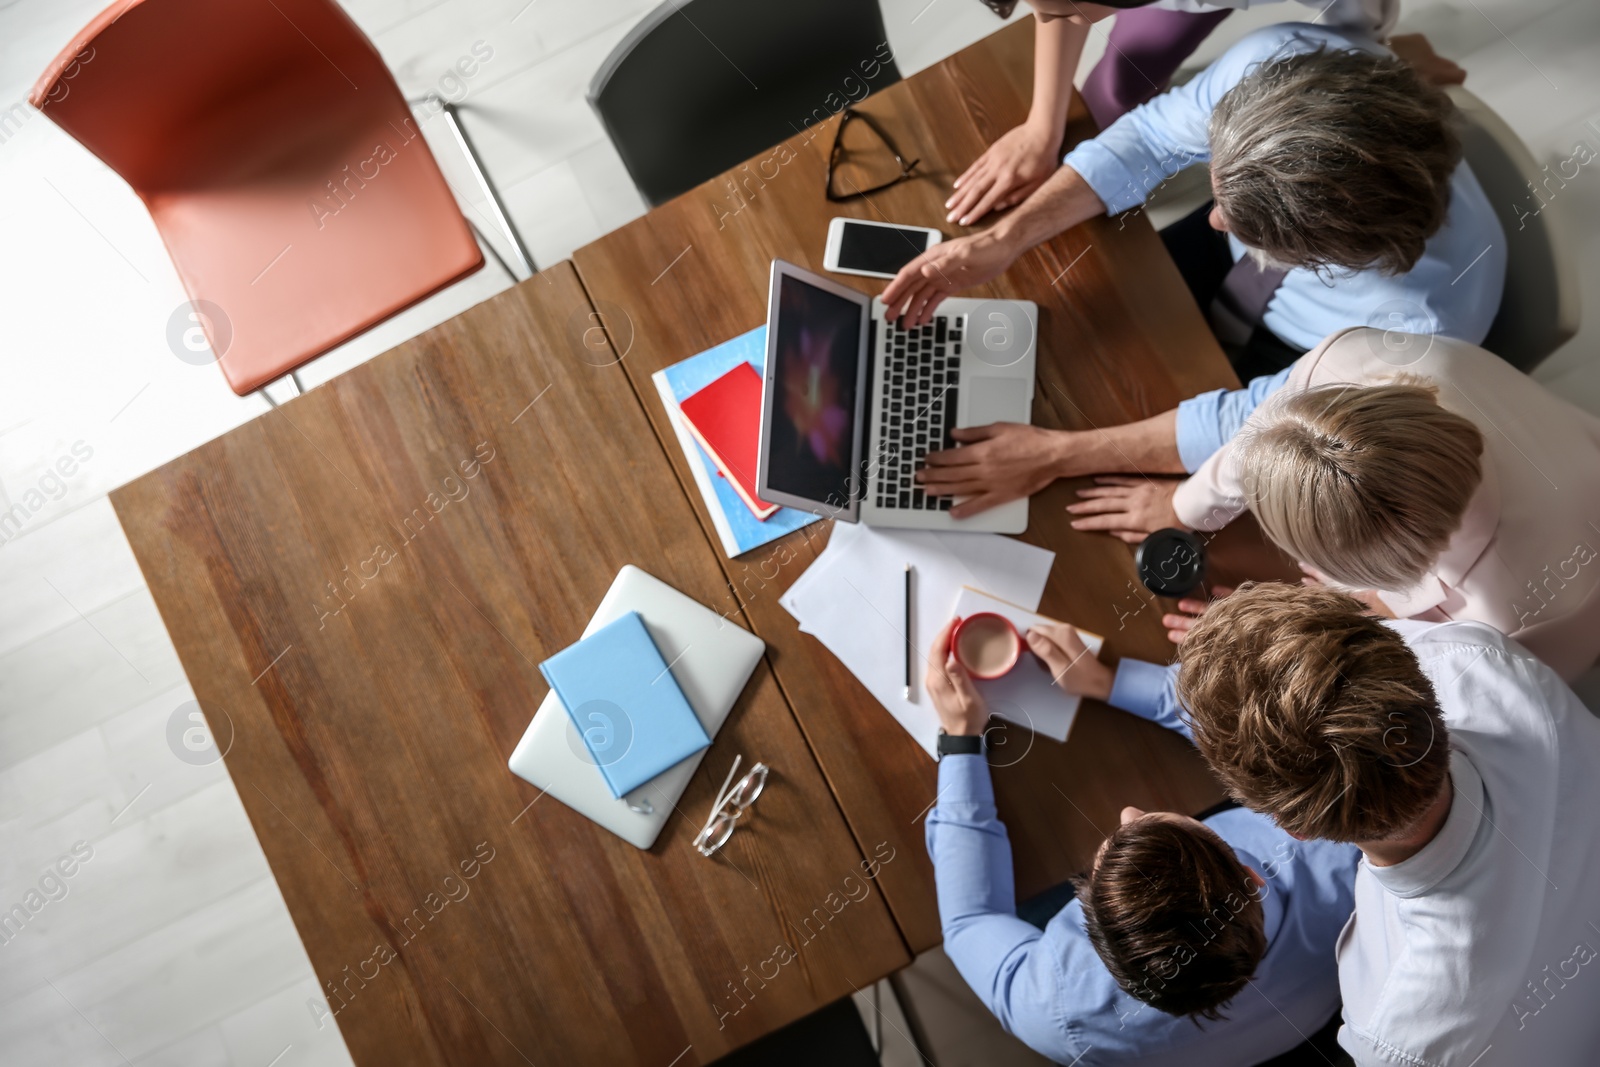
{"points": [[625, 703], [688, 377]]}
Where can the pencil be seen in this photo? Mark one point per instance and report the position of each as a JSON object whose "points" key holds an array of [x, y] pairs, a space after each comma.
{"points": [[910, 641]]}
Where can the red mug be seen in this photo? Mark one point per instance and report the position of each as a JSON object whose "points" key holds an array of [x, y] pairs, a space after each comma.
{"points": [[986, 626]]}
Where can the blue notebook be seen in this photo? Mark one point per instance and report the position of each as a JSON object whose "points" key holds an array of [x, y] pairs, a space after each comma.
{"points": [[737, 529], [625, 703]]}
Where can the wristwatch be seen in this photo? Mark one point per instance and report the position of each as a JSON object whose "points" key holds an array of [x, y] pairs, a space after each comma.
{"points": [[958, 744]]}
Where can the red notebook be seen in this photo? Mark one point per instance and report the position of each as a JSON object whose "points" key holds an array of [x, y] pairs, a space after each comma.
{"points": [[725, 417]]}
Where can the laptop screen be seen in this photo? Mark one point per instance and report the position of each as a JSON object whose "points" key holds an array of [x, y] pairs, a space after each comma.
{"points": [[816, 356]]}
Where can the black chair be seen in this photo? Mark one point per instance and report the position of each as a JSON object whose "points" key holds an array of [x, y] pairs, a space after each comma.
{"points": [[702, 85]]}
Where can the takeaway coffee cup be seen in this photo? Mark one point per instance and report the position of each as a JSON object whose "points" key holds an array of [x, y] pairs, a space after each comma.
{"points": [[1171, 562]]}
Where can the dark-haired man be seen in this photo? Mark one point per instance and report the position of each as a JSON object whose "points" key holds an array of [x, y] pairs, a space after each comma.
{"points": [[1464, 769], [1229, 920]]}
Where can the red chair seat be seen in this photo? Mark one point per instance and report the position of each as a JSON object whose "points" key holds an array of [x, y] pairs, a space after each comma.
{"points": [[280, 163], [297, 275]]}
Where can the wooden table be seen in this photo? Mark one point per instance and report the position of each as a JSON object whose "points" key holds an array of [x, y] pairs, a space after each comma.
{"points": [[360, 585], [1120, 340]]}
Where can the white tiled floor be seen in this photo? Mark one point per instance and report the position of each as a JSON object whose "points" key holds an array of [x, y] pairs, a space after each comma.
{"points": [[172, 944]]}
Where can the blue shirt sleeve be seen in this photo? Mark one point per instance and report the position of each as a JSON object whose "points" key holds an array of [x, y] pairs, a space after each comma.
{"points": [[1154, 141], [1002, 958], [1210, 420], [1150, 691]]}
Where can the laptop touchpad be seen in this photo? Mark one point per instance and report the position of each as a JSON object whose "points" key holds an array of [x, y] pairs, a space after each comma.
{"points": [[996, 400]]}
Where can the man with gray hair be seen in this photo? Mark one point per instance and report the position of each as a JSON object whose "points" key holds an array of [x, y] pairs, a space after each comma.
{"points": [[1340, 200], [1147, 42]]}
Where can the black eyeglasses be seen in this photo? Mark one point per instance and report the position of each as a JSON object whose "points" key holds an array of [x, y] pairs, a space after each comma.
{"points": [[1003, 8], [845, 118]]}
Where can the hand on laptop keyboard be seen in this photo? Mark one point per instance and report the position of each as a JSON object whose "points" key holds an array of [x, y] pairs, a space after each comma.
{"points": [[995, 465]]}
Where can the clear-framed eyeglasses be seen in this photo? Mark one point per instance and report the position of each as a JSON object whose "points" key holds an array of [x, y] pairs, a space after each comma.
{"points": [[732, 802]]}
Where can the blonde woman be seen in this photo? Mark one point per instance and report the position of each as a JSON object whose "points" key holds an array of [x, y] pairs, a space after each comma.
{"points": [[1425, 474]]}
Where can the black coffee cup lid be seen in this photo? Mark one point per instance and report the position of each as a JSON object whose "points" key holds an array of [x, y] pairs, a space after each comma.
{"points": [[1171, 562]]}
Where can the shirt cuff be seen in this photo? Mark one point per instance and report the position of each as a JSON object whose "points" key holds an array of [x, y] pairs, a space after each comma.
{"points": [[1139, 687], [1198, 508], [964, 779], [1199, 429], [1107, 175]]}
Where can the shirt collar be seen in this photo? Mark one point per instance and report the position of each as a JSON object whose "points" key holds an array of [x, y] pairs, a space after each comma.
{"points": [[1272, 903], [1440, 857], [1460, 555]]}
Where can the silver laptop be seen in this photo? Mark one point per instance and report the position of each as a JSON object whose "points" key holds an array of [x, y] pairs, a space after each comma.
{"points": [[711, 659], [851, 403]]}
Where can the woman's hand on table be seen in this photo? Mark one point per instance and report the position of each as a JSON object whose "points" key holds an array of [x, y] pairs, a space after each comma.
{"points": [[1191, 608], [1006, 174], [1127, 508]]}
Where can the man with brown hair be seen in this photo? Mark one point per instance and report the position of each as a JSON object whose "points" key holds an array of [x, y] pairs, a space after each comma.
{"points": [[1464, 770], [1229, 921], [1174, 913]]}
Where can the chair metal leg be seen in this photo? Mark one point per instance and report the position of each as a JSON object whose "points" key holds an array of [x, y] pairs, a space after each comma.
{"points": [[294, 380], [919, 1032], [502, 216], [877, 1019], [489, 246]]}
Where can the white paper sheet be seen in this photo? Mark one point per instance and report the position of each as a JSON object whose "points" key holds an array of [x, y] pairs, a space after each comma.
{"points": [[855, 603], [838, 541], [1026, 696]]}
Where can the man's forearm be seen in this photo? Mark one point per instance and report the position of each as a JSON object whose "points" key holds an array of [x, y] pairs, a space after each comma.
{"points": [[1000, 956], [1063, 201], [968, 844], [1149, 446], [1150, 691]]}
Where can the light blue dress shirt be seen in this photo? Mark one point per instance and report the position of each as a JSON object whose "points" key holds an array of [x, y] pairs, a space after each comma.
{"points": [[1149, 691], [1209, 421], [1454, 289], [1049, 987]]}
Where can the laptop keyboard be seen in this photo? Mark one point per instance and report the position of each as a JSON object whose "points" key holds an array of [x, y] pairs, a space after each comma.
{"points": [[922, 369]]}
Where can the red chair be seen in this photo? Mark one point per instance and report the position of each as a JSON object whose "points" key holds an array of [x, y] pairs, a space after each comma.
{"points": [[279, 161]]}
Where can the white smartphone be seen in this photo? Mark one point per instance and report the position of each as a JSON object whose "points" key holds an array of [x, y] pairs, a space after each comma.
{"points": [[875, 249]]}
